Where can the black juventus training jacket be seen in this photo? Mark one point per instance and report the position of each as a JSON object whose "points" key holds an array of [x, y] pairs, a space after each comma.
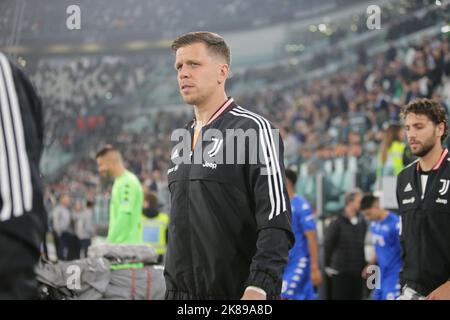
{"points": [[22, 214], [230, 223], [425, 226]]}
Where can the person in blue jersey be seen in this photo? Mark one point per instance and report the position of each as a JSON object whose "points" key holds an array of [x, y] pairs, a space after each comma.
{"points": [[385, 230], [302, 271]]}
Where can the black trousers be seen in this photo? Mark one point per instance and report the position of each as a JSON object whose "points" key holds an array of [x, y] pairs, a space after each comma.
{"points": [[347, 286], [58, 246], [69, 247], [84, 246]]}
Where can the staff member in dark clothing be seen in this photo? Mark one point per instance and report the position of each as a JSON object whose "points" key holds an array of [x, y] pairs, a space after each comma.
{"points": [[230, 228], [423, 197], [22, 214], [344, 251]]}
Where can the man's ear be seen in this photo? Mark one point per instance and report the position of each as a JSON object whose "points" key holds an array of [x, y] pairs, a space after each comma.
{"points": [[441, 129], [223, 73]]}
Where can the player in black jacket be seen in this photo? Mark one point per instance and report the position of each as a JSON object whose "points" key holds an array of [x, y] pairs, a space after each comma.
{"points": [[423, 197], [230, 228], [22, 214], [344, 250]]}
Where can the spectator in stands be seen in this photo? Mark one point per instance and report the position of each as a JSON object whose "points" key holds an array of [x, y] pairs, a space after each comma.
{"points": [[413, 92], [66, 242], [291, 146], [155, 224], [84, 226], [63, 228], [391, 53], [393, 155]]}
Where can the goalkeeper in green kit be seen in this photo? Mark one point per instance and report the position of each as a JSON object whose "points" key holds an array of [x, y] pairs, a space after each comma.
{"points": [[127, 196]]}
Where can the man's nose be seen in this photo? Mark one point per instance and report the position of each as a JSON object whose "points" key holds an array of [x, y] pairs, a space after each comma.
{"points": [[411, 137], [182, 73]]}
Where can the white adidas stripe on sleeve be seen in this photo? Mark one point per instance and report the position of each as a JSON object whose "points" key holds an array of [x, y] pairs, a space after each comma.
{"points": [[276, 195], [15, 182]]}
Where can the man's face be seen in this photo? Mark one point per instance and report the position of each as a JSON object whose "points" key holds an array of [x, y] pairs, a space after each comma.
{"points": [[199, 73], [357, 201], [290, 186], [65, 201], [422, 133], [104, 166], [77, 206], [156, 175], [370, 213]]}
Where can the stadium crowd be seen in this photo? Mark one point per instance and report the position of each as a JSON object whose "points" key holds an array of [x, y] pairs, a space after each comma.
{"points": [[335, 116], [135, 16]]}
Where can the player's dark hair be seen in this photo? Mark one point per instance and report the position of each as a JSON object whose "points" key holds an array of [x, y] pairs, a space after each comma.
{"points": [[90, 203], [151, 198], [433, 110], [367, 201], [291, 176], [105, 150]]}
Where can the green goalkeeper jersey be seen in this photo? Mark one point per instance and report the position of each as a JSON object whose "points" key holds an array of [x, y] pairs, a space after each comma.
{"points": [[125, 213], [125, 210]]}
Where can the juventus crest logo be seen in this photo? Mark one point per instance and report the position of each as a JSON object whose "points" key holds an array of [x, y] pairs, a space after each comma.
{"points": [[444, 188], [217, 143]]}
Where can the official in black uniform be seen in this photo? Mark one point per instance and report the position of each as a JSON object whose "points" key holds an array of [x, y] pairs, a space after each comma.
{"points": [[22, 214], [230, 228], [344, 250], [423, 197]]}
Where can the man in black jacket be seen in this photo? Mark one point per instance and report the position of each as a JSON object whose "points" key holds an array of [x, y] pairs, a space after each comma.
{"points": [[230, 229], [344, 250], [22, 214], [424, 203]]}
